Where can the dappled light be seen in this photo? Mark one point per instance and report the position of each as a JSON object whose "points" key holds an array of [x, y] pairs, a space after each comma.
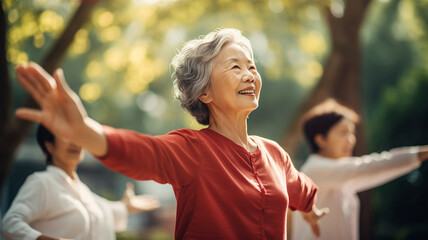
{"points": [[337, 8], [103, 18], [313, 43], [137, 53], [114, 58], [315, 71], [94, 69], [81, 43], [90, 92], [276, 6], [152, 104], [16, 56], [51, 22], [119, 63], [110, 34], [13, 16]]}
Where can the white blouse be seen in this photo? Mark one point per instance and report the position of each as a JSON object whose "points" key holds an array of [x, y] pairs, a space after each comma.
{"points": [[51, 203], [339, 182]]}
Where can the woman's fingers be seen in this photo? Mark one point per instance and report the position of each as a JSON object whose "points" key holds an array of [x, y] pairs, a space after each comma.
{"points": [[44, 79], [130, 192], [316, 230], [324, 211], [63, 88], [130, 186], [35, 80], [29, 114], [146, 202], [26, 82]]}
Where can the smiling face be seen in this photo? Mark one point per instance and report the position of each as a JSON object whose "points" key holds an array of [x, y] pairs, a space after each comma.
{"points": [[235, 83], [339, 141], [64, 153]]}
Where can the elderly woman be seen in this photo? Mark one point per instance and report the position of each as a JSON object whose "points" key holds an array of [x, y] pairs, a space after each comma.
{"points": [[55, 204], [228, 185]]}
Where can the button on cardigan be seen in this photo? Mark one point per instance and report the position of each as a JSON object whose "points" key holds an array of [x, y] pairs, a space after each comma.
{"points": [[222, 190]]}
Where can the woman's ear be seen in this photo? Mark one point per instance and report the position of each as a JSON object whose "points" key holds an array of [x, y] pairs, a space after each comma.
{"points": [[320, 140], [205, 98], [49, 146]]}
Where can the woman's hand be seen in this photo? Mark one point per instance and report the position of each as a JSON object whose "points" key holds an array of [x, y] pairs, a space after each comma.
{"points": [[139, 203], [423, 153], [44, 237], [61, 111], [313, 217]]}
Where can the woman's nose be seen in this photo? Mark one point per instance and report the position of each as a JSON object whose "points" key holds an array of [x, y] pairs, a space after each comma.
{"points": [[352, 139], [248, 77]]}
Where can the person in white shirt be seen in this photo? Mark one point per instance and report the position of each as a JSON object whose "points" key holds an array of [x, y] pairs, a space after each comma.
{"points": [[329, 129], [55, 204]]}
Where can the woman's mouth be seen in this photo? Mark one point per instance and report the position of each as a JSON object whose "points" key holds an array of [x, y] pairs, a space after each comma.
{"points": [[247, 92], [75, 151]]}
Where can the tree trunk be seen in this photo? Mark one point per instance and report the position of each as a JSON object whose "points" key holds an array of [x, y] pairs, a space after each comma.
{"points": [[342, 81], [5, 92], [342, 73], [14, 130]]}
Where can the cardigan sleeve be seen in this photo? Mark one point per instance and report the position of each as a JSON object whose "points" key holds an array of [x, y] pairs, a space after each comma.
{"points": [[28, 205], [362, 173], [301, 189], [172, 158]]}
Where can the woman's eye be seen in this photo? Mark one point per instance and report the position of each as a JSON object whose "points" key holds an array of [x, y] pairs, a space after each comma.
{"points": [[236, 67], [252, 68]]}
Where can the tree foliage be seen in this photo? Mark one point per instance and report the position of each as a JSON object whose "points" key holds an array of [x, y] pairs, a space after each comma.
{"points": [[119, 61]]}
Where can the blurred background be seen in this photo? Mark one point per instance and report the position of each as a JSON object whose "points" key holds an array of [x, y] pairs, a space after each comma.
{"points": [[369, 54]]}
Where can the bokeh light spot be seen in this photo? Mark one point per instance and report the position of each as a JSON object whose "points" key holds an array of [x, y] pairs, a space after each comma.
{"points": [[90, 92]]}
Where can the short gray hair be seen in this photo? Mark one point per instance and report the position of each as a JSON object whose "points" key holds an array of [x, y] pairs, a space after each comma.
{"points": [[193, 65]]}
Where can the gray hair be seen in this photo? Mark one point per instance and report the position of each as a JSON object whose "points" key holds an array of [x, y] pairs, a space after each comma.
{"points": [[193, 65]]}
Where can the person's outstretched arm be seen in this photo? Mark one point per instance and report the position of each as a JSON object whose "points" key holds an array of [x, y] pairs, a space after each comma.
{"points": [[423, 153], [44, 237], [61, 110]]}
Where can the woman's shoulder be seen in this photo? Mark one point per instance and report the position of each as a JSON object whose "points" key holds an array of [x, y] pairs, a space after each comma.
{"points": [[39, 177], [191, 133], [36, 183], [185, 131], [268, 144], [266, 141]]}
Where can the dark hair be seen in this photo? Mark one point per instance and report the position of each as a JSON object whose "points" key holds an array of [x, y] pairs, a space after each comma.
{"points": [[44, 135], [321, 118]]}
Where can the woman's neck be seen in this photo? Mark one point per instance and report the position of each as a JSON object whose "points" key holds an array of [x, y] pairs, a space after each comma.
{"points": [[235, 130], [70, 170]]}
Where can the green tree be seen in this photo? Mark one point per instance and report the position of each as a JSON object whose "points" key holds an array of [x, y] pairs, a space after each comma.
{"points": [[15, 130], [400, 120]]}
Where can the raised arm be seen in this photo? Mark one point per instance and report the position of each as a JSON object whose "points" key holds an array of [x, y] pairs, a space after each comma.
{"points": [[423, 153], [367, 171], [61, 110]]}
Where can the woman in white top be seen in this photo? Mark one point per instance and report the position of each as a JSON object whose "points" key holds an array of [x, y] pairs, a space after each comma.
{"points": [[55, 204], [329, 129]]}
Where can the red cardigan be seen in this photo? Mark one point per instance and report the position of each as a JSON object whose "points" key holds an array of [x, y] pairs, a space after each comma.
{"points": [[222, 190]]}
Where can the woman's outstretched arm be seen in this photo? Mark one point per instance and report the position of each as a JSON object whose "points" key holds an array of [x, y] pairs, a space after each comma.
{"points": [[61, 110], [423, 153]]}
